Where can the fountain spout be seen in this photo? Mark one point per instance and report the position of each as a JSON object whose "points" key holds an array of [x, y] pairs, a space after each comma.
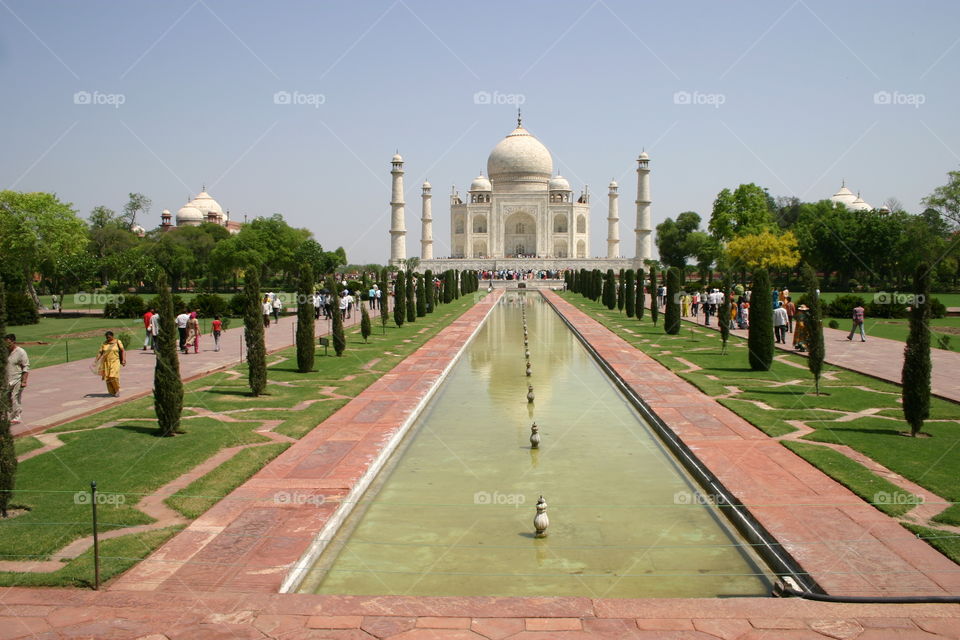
{"points": [[534, 436], [530, 393], [541, 521]]}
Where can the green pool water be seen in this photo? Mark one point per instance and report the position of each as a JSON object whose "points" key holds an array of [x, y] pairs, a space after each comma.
{"points": [[453, 512]]}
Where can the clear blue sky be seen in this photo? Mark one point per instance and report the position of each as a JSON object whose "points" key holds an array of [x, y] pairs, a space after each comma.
{"points": [[797, 82]]}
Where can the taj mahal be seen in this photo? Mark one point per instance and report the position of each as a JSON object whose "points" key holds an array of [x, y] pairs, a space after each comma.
{"points": [[521, 216]]}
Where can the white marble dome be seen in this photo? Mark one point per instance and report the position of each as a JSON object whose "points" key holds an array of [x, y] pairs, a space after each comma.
{"points": [[480, 183], [188, 215], [559, 183], [844, 196], [519, 156], [205, 204]]}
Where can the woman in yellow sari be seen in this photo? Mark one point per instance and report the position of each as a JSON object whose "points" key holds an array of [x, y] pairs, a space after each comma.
{"points": [[110, 358]]}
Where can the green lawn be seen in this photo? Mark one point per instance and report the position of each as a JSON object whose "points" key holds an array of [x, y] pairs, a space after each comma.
{"points": [[128, 460], [96, 302], [786, 392], [69, 339], [948, 299]]}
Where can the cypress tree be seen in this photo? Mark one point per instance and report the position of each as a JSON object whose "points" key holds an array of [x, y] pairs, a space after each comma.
{"points": [[253, 331], [597, 285], [428, 290], [723, 314], [456, 284], [583, 285], [654, 309], [630, 292], [641, 297], [167, 385], [400, 299], [916, 356], [814, 325], [671, 316], [421, 297], [8, 455], [364, 322], [306, 347], [760, 336], [448, 286], [337, 334], [411, 306], [609, 290], [621, 288]]}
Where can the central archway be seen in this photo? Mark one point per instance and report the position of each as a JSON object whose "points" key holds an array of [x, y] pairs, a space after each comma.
{"points": [[520, 235]]}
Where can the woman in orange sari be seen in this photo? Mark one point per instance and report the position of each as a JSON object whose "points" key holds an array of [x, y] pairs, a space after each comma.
{"points": [[110, 358]]}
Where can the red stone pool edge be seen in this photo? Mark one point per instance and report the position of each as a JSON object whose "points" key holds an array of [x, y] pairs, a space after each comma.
{"points": [[220, 577]]}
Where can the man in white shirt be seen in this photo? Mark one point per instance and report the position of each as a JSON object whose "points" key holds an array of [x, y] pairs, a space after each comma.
{"points": [[154, 329], [780, 320], [18, 370], [182, 321], [345, 300], [277, 307]]}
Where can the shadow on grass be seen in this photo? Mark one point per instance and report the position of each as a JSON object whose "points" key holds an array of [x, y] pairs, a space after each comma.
{"points": [[152, 430], [244, 393], [828, 430]]}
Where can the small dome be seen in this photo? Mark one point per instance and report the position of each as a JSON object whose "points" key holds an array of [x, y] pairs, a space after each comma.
{"points": [[559, 183], [397, 158], [519, 156], [844, 196], [189, 214], [165, 212], [480, 183], [860, 205], [643, 156], [426, 185], [613, 184]]}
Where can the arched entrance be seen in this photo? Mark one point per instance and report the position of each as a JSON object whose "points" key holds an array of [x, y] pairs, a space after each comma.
{"points": [[520, 235]]}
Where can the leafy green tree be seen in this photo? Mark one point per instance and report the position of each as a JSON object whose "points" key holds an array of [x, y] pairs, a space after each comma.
{"points": [[767, 250], [654, 308], [137, 203], [760, 334], [365, 329], [37, 229], [641, 298], [630, 292], [673, 239], [8, 455], [671, 316], [254, 332], [814, 325], [411, 306], [167, 385], [915, 377], [306, 346], [421, 297], [946, 198], [748, 210], [400, 299]]}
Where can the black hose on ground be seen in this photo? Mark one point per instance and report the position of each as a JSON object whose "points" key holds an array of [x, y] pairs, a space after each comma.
{"points": [[780, 590]]}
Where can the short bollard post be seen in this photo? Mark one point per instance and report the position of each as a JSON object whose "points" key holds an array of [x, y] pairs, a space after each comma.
{"points": [[96, 541]]}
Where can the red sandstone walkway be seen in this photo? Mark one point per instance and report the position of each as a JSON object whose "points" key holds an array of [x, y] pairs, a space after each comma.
{"points": [[63, 392]]}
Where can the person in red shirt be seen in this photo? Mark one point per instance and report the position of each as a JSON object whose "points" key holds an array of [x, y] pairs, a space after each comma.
{"points": [[858, 313], [217, 326], [148, 341], [791, 311]]}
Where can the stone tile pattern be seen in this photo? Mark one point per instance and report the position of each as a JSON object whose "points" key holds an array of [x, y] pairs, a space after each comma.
{"points": [[848, 546], [249, 541], [60, 613]]}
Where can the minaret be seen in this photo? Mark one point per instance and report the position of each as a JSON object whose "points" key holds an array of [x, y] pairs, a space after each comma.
{"points": [[398, 232], [644, 250], [613, 223], [426, 221]]}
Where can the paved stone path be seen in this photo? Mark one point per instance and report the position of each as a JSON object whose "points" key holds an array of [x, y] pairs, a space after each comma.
{"points": [[67, 391], [877, 357]]}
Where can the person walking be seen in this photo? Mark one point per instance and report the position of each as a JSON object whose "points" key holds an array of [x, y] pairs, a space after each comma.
{"points": [[148, 340], [110, 358], [18, 370], [182, 321], [217, 327], [277, 307], [779, 323], [193, 332], [372, 296], [857, 317], [154, 330], [317, 303], [801, 334], [345, 304], [791, 312], [267, 310]]}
